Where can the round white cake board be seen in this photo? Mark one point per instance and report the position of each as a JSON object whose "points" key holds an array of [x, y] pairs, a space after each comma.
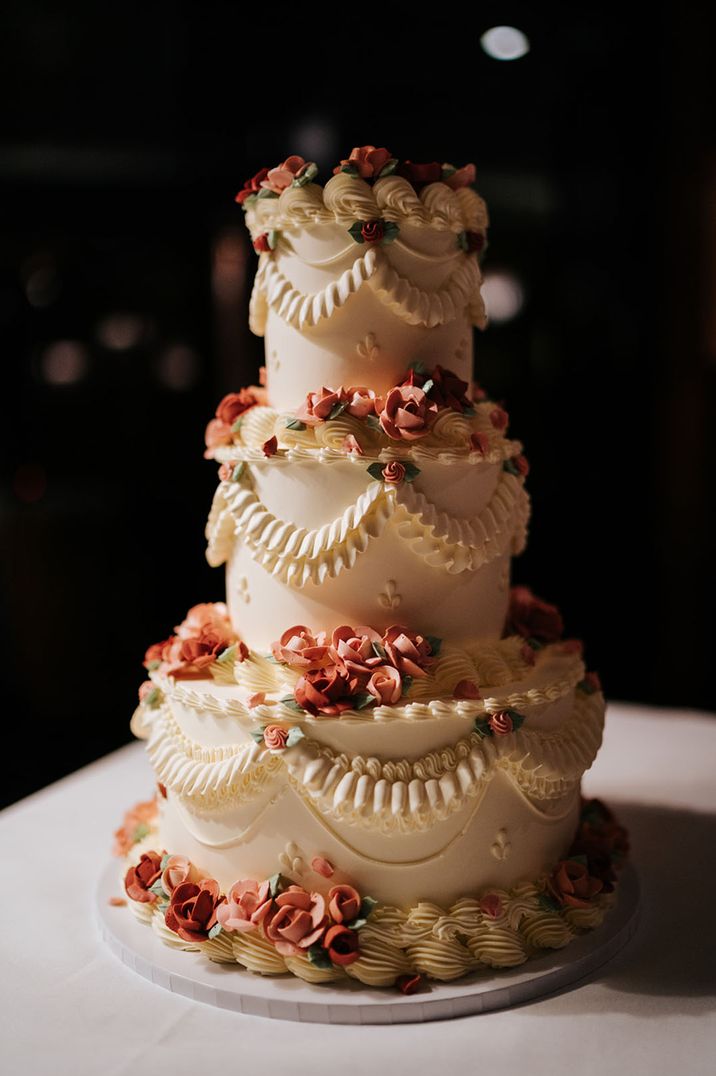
{"points": [[288, 998]]}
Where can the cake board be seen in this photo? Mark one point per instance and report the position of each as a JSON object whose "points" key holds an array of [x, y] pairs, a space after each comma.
{"points": [[290, 998]]}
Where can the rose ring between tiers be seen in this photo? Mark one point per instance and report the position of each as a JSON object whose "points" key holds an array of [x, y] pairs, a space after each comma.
{"points": [[289, 998]]}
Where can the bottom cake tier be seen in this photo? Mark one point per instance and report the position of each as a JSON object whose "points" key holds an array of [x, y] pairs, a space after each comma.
{"points": [[333, 932]]}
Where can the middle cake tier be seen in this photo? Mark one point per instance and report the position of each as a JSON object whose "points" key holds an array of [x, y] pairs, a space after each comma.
{"points": [[322, 542]]}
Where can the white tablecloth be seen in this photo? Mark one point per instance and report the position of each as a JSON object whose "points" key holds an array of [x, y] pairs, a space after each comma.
{"points": [[70, 1007]]}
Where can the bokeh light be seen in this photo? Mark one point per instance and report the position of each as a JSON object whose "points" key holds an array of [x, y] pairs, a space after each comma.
{"points": [[64, 362], [503, 295], [505, 43]]}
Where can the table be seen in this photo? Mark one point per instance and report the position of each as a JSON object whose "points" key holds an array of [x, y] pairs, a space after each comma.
{"points": [[70, 1007]]}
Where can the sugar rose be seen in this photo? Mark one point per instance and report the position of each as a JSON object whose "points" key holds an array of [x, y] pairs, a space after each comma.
{"points": [[385, 685], [406, 413], [282, 176], [407, 651], [177, 870], [571, 884], [319, 405], [301, 649], [343, 903], [275, 737], [298, 921], [139, 879], [461, 177], [368, 161], [533, 618], [192, 910], [342, 945], [246, 907], [353, 649], [251, 186], [326, 691]]}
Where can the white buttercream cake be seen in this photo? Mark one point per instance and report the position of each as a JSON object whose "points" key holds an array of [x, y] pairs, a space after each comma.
{"points": [[369, 758]]}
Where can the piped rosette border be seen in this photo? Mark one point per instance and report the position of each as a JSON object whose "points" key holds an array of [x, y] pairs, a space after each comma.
{"points": [[320, 928]]}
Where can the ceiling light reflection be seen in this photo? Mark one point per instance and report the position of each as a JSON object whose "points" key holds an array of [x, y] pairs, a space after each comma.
{"points": [[505, 43]]}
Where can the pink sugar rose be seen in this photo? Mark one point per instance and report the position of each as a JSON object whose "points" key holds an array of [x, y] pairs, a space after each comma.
{"points": [[343, 903], [408, 652], [327, 691], [275, 737], [361, 401], [139, 879], [232, 406], [461, 177], [282, 176], [394, 472], [137, 820], [353, 649], [491, 906], [368, 161], [298, 922], [145, 689], [406, 413], [205, 616], [533, 618], [247, 905], [501, 723], [226, 471], [318, 405], [192, 910], [177, 870], [385, 685], [201, 637], [299, 648]]}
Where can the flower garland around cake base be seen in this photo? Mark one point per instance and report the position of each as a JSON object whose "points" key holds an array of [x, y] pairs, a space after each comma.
{"points": [[327, 932]]}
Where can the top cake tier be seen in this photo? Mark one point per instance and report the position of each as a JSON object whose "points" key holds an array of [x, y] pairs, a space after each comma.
{"points": [[363, 277]]}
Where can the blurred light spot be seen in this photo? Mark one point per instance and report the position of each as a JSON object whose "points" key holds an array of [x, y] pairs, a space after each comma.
{"points": [[505, 43], [315, 140], [178, 367], [119, 332], [503, 296], [228, 266], [29, 483], [42, 286], [64, 362]]}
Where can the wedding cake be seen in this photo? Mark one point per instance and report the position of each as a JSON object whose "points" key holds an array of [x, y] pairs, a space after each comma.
{"points": [[369, 758]]}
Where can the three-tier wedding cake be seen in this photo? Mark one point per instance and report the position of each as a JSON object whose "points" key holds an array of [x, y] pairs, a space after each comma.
{"points": [[369, 759]]}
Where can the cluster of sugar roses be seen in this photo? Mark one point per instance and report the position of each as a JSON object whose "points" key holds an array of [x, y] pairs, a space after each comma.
{"points": [[296, 921], [368, 163], [598, 850], [540, 624], [203, 637], [356, 668]]}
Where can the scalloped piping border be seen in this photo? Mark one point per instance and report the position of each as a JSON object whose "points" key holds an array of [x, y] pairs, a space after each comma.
{"points": [[403, 796], [413, 305], [298, 556]]}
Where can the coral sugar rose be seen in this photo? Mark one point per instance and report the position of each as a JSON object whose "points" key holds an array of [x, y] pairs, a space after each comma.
{"points": [[343, 903], [367, 161], [352, 648], [406, 413], [246, 907], [282, 176], [342, 945], [385, 685], [301, 649], [192, 910], [298, 922], [319, 405], [572, 885], [408, 652]]}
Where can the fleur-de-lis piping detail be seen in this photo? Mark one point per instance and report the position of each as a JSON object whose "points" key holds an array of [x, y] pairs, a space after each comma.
{"points": [[501, 847], [389, 598]]}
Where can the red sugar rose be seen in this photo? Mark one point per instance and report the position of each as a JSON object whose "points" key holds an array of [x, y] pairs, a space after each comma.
{"points": [[570, 884], [373, 231], [251, 186], [192, 910], [408, 652], [501, 723], [326, 691], [342, 945], [533, 618], [139, 879], [420, 174]]}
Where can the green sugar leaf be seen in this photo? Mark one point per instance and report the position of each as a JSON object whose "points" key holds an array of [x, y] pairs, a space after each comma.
{"points": [[376, 471], [291, 703], [428, 385], [319, 957], [238, 471], [215, 931], [388, 168], [257, 735], [373, 422], [337, 409], [411, 471], [435, 644], [294, 735], [237, 425], [140, 833], [379, 651], [295, 424], [356, 231], [362, 700], [227, 655]]}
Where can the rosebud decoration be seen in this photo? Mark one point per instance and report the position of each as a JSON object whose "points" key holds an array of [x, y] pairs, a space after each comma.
{"points": [[374, 231], [499, 724], [394, 472]]}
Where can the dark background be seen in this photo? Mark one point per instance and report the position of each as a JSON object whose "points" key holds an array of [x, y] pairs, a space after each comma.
{"points": [[124, 280]]}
